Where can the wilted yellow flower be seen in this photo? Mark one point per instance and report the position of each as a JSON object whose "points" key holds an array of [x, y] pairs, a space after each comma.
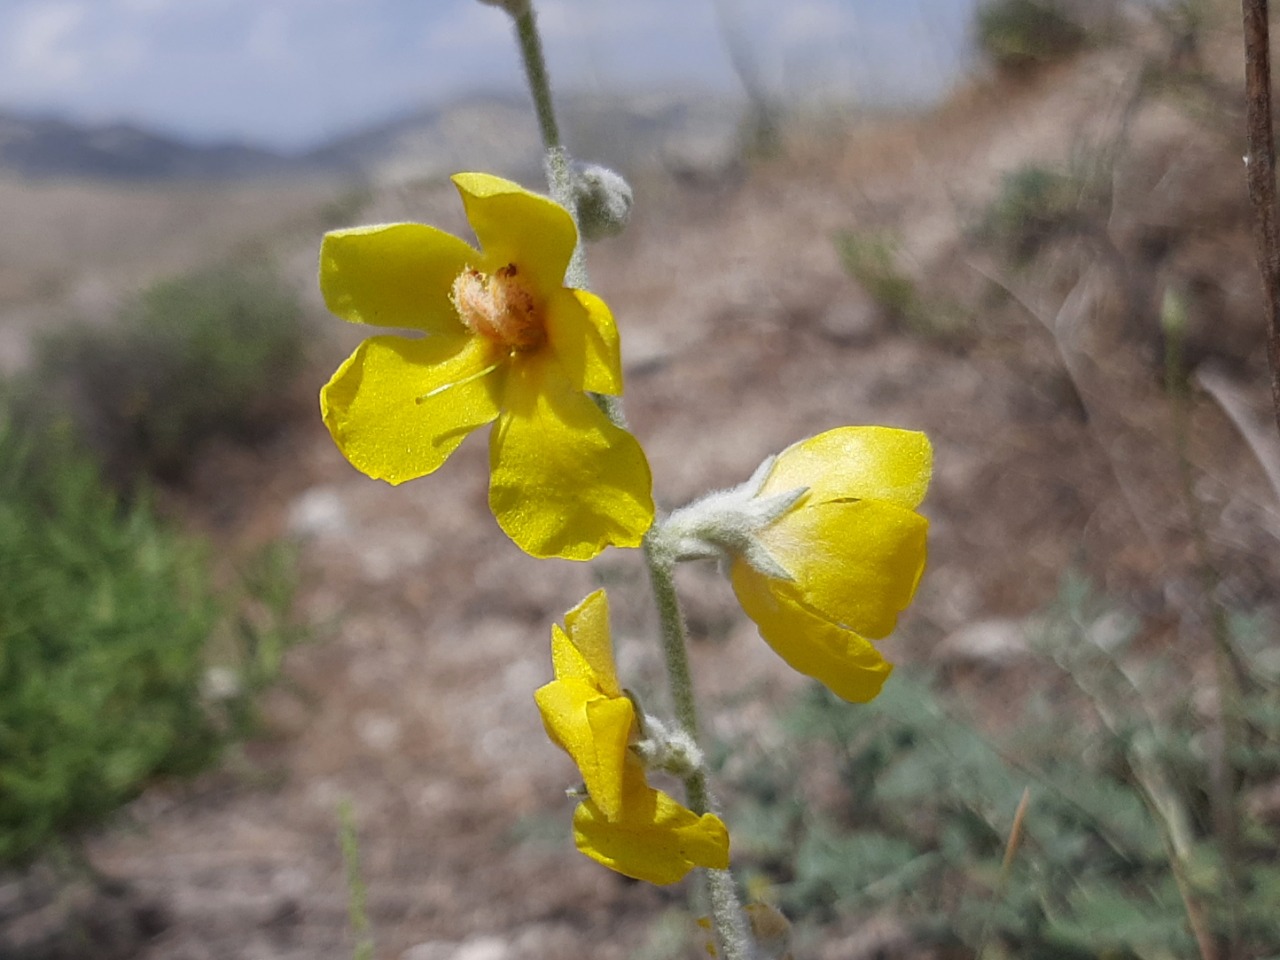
{"points": [[852, 548], [623, 823], [824, 548], [503, 339]]}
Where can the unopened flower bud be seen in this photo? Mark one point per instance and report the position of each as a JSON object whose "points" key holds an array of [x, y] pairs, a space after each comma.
{"points": [[671, 751], [604, 201]]}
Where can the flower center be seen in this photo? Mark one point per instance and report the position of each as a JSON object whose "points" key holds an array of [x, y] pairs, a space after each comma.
{"points": [[498, 306]]}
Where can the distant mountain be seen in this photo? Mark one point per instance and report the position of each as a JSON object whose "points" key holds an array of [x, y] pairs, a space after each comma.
{"points": [[51, 147], [500, 134], [490, 133]]}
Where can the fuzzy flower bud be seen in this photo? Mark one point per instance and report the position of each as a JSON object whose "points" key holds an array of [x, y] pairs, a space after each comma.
{"points": [[671, 751], [604, 201]]}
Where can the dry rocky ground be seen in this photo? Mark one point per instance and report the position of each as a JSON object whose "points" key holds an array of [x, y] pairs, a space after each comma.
{"points": [[742, 333]]}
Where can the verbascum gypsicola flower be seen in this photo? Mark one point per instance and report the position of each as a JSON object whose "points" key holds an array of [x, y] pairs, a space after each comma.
{"points": [[623, 822], [502, 339], [824, 548]]}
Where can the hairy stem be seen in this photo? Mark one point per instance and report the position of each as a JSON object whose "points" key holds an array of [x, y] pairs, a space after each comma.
{"points": [[535, 72], [557, 164], [726, 910]]}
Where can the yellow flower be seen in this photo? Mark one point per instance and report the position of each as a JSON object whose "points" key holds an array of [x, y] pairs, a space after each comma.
{"points": [[623, 823], [502, 339], [824, 548], [851, 549]]}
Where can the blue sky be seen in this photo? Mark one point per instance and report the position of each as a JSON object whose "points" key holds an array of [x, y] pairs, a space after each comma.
{"points": [[289, 73]]}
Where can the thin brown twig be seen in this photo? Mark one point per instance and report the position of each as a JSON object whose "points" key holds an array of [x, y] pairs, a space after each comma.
{"points": [[1260, 164]]}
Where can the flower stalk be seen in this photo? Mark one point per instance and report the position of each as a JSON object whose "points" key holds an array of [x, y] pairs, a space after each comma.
{"points": [[557, 164], [535, 72], [726, 908]]}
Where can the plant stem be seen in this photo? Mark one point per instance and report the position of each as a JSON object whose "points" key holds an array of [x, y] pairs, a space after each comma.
{"points": [[1223, 778], [356, 894], [535, 72], [556, 163], [1260, 167], [726, 910]]}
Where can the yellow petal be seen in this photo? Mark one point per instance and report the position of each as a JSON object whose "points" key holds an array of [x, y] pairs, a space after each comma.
{"points": [[516, 226], [397, 407], [594, 731], [568, 661], [840, 659], [393, 275], [564, 481], [877, 463], [585, 339], [856, 563], [585, 651], [657, 840]]}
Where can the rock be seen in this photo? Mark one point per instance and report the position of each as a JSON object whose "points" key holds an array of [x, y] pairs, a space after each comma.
{"points": [[850, 319], [477, 948], [318, 512], [997, 641]]}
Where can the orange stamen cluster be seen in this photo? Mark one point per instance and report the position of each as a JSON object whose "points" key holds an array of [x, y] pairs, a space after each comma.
{"points": [[498, 306]]}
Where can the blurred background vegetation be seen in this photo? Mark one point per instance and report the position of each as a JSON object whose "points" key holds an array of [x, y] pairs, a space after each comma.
{"points": [[131, 652]]}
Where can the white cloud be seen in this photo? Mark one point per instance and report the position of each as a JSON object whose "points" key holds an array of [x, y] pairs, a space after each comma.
{"points": [[127, 7], [825, 21], [468, 25], [269, 41], [288, 71], [42, 43]]}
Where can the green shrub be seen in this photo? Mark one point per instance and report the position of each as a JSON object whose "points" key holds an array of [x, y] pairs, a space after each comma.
{"points": [[105, 617], [1118, 834], [191, 358], [1034, 204], [1020, 34], [873, 261]]}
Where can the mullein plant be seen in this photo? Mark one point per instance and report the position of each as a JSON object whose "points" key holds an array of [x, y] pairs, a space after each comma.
{"points": [[822, 545]]}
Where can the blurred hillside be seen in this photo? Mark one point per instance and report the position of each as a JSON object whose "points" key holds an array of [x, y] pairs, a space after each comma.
{"points": [[496, 133]]}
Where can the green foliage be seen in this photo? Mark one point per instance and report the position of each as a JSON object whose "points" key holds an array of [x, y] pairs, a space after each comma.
{"points": [[873, 261], [191, 358], [1034, 204], [1020, 34], [105, 616], [1118, 836], [357, 893]]}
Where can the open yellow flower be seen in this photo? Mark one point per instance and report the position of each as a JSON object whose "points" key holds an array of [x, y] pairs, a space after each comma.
{"points": [[501, 338], [623, 823], [848, 553]]}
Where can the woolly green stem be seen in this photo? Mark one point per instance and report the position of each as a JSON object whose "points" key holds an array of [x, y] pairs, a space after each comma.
{"points": [[726, 910], [556, 163], [535, 72]]}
